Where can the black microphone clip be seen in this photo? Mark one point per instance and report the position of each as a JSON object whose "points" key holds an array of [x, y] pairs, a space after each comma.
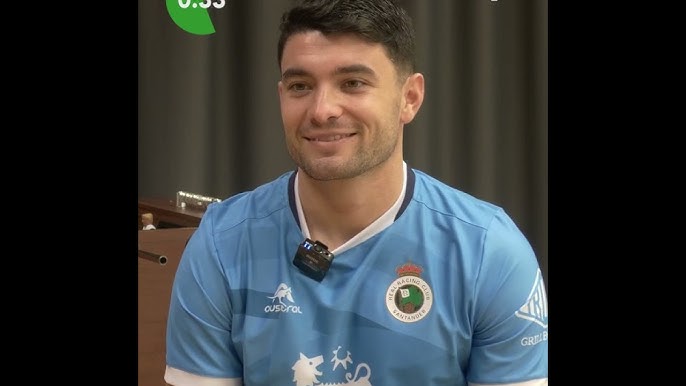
{"points": [[313, 258]]}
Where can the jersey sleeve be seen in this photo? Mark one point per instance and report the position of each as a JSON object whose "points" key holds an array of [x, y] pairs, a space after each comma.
{"points": [[198, 338], [510, 339]]}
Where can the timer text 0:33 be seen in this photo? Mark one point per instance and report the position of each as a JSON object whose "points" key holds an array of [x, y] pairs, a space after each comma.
{"points": [[204, 4]]}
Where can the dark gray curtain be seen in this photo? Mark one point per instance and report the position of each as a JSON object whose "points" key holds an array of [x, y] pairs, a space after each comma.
{"points": [[209, 120]]}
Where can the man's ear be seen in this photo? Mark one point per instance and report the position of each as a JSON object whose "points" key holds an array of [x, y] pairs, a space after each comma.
{"points": [[413, 96]]}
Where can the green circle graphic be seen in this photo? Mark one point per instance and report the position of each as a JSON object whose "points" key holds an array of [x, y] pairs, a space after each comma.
{"points": [[193, 19]]}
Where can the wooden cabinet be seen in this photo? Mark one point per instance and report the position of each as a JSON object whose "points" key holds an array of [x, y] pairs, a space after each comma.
{"points": [[167, 215]]}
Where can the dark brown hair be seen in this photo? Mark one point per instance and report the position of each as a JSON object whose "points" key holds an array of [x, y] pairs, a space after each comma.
{"points": [[377, 21]]}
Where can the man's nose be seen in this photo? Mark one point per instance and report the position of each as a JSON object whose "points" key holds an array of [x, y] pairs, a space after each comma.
{"points": [[326, 106]]}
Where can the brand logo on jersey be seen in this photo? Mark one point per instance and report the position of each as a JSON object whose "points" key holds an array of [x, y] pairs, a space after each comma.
{"points": [[535, 308], [282, 292], [409, 297], [305, 371]]}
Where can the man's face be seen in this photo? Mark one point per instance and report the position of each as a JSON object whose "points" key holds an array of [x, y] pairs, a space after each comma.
{"points": [[340, 104]]}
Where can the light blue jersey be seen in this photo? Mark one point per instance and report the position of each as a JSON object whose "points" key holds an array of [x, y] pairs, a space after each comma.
{"points": [[450, 292]]}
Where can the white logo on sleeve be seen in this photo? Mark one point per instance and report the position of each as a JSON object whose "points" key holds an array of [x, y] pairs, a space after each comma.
{"points": [[535, 308]]}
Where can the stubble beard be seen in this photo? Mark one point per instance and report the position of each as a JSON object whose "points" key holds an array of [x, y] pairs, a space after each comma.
{"points": [[362, 161]]}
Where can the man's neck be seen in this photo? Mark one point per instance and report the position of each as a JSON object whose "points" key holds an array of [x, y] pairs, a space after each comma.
{"points": [[336, 211]]}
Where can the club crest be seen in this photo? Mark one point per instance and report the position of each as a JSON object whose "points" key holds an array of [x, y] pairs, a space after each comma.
{"points": [[409, 297]]}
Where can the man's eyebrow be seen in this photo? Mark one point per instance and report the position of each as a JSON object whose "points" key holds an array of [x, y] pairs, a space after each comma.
{"points": [[291, 72], [356, 69], [352, 69]]}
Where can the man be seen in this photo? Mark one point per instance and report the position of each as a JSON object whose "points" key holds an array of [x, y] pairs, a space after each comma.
{"points": [[147, 220], [355, 268]]}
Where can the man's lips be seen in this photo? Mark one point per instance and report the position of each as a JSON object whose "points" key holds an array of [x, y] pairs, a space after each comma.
{"points": [[328, 138]]}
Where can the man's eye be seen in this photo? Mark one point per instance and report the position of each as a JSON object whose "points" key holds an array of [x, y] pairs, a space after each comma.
{"points": [[298, 87], [353, 84]]}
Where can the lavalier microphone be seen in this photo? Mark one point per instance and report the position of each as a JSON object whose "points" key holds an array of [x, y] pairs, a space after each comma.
{"points": [[313, 259]]}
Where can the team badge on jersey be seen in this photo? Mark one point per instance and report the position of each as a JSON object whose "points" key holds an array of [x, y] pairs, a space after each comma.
{"points": [[409, 297]]}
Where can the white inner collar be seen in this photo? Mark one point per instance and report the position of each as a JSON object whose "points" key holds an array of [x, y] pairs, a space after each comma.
{"points": [[381, 223]]}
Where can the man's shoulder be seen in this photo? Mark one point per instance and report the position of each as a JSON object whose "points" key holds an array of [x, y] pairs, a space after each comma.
{"points": [[440, 197], [260, 202]]}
